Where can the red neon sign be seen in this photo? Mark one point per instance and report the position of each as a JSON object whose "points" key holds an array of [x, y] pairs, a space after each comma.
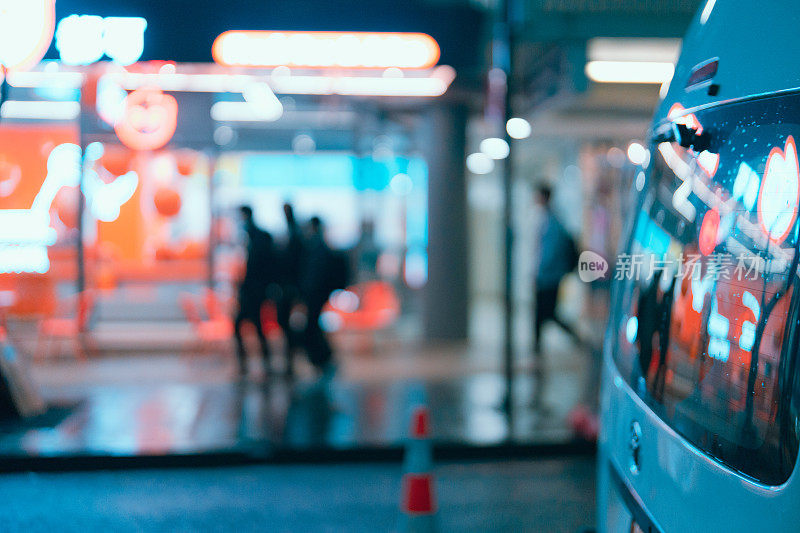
{"points": [[709, 231], [780, 192], [149, 120]]}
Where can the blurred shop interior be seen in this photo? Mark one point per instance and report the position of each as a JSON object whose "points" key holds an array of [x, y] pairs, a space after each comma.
{"points": [[126, 152]]}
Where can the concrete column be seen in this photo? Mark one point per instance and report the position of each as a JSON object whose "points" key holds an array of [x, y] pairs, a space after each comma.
{"points": [[445, 300]]}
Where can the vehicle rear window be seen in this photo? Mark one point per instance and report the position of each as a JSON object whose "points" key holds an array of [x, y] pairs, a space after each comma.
{"points": [[706, 316]]}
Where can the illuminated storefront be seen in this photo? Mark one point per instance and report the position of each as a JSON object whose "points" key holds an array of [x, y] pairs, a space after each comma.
{"points": [[123, 178]]}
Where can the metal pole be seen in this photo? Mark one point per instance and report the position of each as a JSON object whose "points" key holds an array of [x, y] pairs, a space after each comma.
{"points": [[502, 59]]}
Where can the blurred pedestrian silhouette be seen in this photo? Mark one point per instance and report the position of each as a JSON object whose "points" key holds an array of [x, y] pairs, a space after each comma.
{"points": [[292, 257], [323, 272], [557, 256], [260, 272], [366, 253]]}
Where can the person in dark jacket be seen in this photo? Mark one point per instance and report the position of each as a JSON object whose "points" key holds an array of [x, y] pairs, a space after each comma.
{"points": [[316, 289], [259, 273], [291, 270], [555, 250]]}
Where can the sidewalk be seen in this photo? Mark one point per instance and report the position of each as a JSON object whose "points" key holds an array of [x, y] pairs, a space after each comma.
{"points": [[161, 404]]}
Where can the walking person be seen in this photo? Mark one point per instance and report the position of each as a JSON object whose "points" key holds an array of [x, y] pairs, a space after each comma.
{"points": [[289, 296], [557, 256], [320, 270], [260, 272]]}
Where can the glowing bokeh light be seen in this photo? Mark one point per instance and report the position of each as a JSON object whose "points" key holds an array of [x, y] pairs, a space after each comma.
{"points": [[495, 148], [26, 29], [638, 154], [479, 163], [85, 39], [629, 71], [518, 128], [325, 49], [780, 192]]}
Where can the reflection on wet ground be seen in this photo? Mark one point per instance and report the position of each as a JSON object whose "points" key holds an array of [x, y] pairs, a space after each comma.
{"points": [[165, 404]]}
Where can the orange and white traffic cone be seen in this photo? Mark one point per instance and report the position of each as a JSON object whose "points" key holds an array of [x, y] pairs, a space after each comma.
{"points": [[418, 495]]}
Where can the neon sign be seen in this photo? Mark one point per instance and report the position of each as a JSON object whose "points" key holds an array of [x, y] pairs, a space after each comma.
{"points": [[718, 345], [85, 39], [325, 49], [25, 234], [748, 335], [780, 192], [149, 120], [709, 231], [105, 194], [26, 29]]}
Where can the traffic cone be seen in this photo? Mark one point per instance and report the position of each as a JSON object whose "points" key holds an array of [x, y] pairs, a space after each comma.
{"points": [[418, 496]]}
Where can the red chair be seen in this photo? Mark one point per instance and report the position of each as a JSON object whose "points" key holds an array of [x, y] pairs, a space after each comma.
{"points": [[72, 331], [215, 329], [378, 307]]}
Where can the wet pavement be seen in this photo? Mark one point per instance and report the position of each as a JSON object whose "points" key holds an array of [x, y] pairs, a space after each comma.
{"points": [[160, 404]]}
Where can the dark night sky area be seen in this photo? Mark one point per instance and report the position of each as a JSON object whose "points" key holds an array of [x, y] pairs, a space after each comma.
{"points": [[183, 30]]}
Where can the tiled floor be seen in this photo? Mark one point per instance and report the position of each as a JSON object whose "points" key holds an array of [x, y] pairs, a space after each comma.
{"points": [[151, 403]]}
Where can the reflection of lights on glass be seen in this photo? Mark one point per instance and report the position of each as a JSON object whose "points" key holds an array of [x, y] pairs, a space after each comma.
{"points": [[748, 336], [681, 202], [615, 157], [518, 128], [401, 184], [709, 231], [745, 186], [640, 179], [664, 89], [631, 329], [718, 325], [495, 148], [708, 162], [629, 71], [479, 163], [699, 290], [637, 154], [778, 197], [709, 7]]}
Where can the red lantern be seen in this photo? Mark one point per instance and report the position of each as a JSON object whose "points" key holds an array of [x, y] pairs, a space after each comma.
{"points": [[167, 201]]}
